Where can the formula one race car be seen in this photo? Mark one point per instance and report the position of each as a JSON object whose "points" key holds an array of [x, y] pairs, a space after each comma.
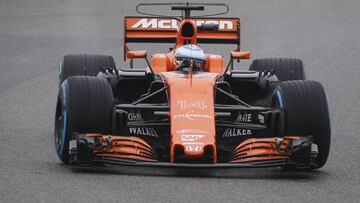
{"points": [[188, 108]]}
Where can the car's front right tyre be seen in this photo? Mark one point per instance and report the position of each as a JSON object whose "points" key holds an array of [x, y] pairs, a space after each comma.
{"points": [[84, 105]]}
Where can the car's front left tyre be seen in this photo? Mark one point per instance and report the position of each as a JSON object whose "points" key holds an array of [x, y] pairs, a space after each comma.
{"points": [[306, 113]]}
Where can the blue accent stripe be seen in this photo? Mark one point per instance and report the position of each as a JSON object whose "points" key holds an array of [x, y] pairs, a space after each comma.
{"points": [[64, 134], [60, 71], [327, 103], [280, 98], [62, 144], [64, 92]]}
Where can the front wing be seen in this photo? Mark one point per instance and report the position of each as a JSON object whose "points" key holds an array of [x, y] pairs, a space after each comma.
{"points": [[88, 149]]}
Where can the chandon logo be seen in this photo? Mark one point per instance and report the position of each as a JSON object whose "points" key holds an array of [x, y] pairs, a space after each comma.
{"points": [[154, 23], [191, 116]]}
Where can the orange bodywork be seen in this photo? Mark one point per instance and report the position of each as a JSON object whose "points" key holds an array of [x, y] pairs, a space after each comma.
{"points": [[185, 113], [240, 55], [256, 149], [193, 134], [136, 54], [192, 110], [192, 113], [126, 147]]}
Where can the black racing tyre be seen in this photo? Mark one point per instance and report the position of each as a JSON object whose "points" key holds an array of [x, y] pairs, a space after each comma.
{"points": [[284, 68], [306, 113], [84, 106], [84, 64]]}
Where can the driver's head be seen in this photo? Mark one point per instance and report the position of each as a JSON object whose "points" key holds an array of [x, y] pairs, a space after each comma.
{"points": [[189, 54]]}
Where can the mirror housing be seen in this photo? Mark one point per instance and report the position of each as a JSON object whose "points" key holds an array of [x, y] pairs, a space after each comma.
{"points": [[240, 55], [136, 54]]}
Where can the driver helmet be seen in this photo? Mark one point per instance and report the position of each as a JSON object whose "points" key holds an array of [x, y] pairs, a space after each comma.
{"points": [[187, 54]]}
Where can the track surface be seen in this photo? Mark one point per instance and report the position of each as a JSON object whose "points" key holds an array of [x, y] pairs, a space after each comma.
{"points": [[34, 35]]}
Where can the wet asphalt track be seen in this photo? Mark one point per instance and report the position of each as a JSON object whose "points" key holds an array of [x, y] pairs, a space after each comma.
{"points": [[34, 35]]}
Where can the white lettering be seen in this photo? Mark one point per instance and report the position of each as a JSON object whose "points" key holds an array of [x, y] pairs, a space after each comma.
{"points": [[192, 143], [229, 25], [192, 131], [143, 131], [233, 132], [191, 148], [199, 22], [191, 116], [174, 24], [244, 118], [192, 104], [191, 138], [212, 22], [165, 23], [155, 23], [144, 23], [134, 117]]}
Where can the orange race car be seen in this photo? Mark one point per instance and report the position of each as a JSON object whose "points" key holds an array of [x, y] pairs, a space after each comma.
{"points": [[188, 108]]}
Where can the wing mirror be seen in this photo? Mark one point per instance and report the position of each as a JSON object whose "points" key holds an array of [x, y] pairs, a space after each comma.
{"points": [[136, 54], [240, 55], [236, 55]]}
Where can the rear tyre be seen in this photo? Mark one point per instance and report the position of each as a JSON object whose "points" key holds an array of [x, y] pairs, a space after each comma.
{"points": [[285, 68], [83, 64], [306, 113], [84, 106]]}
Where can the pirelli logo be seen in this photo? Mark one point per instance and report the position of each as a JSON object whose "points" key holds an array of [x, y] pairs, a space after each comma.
{"points": [[172, 24]]}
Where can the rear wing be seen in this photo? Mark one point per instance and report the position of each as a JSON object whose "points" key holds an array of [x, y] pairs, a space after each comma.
{"points": [[165, 29]]}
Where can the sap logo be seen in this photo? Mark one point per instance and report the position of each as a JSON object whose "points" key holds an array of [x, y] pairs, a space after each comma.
{"points": [[191, 138], [155, 23], [234, 132]]}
